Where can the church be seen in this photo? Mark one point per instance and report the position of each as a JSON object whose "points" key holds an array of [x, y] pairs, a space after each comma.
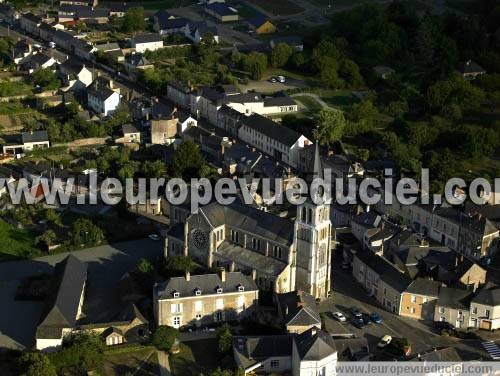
{"points": [[282, 255]]}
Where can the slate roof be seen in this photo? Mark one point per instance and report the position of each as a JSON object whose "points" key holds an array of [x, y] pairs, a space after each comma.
{"points": [[314, 345], [271, 129], [172, 23], [35, 136], [426, 287], [252, 350], [488, 297], [446, 354], [147, 38], [298, 308], [352, 349], [369, 219], [102, 92], [179, 85], [251, 220], [35, 60], [207, 284], [61, 308], [137, 60], [454, 298], [202, 28], [250, 259], [279, 100], [221, 9], [31, 17], [72, 66], [108, 46], [258, 21], [471, 67], [389, 273], [129, 128]]}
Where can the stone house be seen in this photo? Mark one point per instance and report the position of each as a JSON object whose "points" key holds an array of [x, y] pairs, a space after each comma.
{"points": [[418, 300]]}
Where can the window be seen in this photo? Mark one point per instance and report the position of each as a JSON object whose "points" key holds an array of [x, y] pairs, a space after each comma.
{"points": [[176, 321], [219, 304], [277, 251], [412, 310], [241, 288], [275, 363], [218, 316], [413, 299], [197, 292], [218, 290], [459, 313], [198, 306], [198, 316], [441, 309], [176, 308], [240, 304], [234, 236], [487, 313], [474, 310], [175, 294], [442, 319]]}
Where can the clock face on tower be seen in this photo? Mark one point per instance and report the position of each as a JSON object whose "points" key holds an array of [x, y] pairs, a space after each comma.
{"points": [[199, 238]]}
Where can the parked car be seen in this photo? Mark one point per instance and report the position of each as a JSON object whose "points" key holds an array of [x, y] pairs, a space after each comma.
{"points": [[384, 341], [358, 322], [375, 318], [153, 237], [280, 79], [443, 326], [366, 319], [356, 312], [339, 316]]}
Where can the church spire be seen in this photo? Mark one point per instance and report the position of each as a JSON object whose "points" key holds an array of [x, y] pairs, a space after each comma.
{"points": [[315, 168]]}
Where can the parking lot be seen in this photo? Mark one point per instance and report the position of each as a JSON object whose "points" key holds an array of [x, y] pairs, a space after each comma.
{"points": [[348, 294]]}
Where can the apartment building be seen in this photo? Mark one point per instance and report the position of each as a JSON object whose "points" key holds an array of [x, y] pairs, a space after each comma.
{"points": [[204, 299], [419, 299]]}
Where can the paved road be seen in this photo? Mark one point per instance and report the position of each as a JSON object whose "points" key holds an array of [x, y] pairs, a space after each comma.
{"points": [[107, 264], [347, 294]]}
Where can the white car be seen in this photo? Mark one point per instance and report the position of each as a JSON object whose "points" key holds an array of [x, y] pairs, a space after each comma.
{"points": [[153, 237], [339, 316], [281, 79], [384, 341]]}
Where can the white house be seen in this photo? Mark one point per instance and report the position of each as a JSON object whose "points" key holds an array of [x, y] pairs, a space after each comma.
{"points": [[272, 138], [102, 99], [146, 42], [196, 31], [74, 74], [312, 353], [27, 141]]}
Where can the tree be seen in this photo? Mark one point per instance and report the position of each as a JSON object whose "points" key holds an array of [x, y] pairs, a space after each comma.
{"points": [[134, 20], [224, 339], [255, 63], [349, 71], [127, 171], [85, 232], [46, 79], [176, 266], [280, 55], [85, 350], [154, 169], [47, 238], [145, 266], [187, 161], [36, 364], [164, 337], [330, 125]]}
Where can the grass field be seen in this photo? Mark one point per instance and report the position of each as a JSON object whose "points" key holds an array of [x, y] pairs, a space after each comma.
{"points": [[278, 8], [311, 103], [16, 243], [341, 99], [195, 358], [128, 362]]}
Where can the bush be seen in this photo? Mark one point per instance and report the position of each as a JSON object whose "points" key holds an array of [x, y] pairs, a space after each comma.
{"points": [[164, 337], [224, 339]]}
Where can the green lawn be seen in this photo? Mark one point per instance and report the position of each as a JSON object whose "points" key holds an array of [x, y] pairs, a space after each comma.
{"points": [[341, 99], [128, 362], [195, 357], [16, 243], [311, 103]]}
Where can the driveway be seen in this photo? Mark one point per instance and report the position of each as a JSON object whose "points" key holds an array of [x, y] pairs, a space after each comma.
{"points": [[106, 265], [348, 293], [265, 86]]}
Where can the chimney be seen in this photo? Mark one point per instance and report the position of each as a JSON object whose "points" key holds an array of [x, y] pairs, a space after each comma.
{"points": [[254, 274], [222, 274], [286, 310], [188, 276], [222, 149]]}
